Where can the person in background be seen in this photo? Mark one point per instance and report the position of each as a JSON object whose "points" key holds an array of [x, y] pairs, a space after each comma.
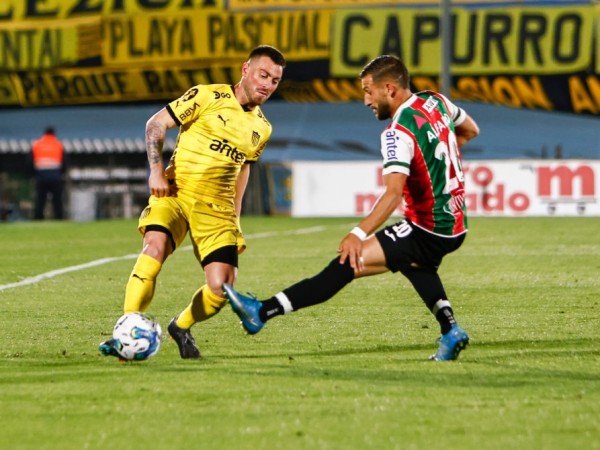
{"points": [[422, 167], [48, 165], [222, 131]]}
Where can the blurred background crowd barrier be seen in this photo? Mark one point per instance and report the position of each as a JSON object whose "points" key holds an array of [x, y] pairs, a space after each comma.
{"points": [[526, 70]]}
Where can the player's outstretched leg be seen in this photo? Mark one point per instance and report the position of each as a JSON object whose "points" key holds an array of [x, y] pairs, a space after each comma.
{"points": [[451, 344], [184, 340], [247, 308]]}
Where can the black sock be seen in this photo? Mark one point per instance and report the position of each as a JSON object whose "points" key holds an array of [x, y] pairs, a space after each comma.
{"points": [[269, 309], [311, 291], [445, 317], [321, 287]]}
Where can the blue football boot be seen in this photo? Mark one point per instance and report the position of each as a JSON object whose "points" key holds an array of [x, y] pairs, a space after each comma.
{"points": [[451, 344], [246, 308]]}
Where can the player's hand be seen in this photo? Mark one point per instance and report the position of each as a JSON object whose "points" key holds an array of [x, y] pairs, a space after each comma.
{"points": [[351, 248], [158, 184]]}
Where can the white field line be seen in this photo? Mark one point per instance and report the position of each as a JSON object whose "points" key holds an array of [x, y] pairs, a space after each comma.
{"points": [[99, 262]]}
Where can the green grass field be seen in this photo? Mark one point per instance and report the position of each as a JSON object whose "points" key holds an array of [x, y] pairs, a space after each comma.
{"points": [[349, 374]]}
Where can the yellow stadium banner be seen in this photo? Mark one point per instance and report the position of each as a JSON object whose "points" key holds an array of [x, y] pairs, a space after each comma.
{"points": [[300, 35], [8, 94], [101, 85], [47, 44], [239, 5], [597, 40], [552, 40], [15, 10], [577, 93]]}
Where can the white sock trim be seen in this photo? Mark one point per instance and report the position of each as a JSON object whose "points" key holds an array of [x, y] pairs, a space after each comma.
{"points": [[285, 302], [439, 305]]}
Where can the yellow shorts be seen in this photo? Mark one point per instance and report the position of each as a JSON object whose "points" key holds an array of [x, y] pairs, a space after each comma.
{"points": [[211, 226]]}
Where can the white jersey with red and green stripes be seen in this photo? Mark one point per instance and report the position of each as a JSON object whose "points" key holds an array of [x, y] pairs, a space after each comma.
{"points": [[420, 142]]}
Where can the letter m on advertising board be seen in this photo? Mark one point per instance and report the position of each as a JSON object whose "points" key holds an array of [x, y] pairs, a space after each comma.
{"points": [[567, 183]]}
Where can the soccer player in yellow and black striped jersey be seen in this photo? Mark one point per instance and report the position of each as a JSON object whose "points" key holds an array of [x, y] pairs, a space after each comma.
{"points": [[222, 130]]}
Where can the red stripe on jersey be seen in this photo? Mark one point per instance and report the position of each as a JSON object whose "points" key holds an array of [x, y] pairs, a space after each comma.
{"points": [[418, 190], [428, 202]]}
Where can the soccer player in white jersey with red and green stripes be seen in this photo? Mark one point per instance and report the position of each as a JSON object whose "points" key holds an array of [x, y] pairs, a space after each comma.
{"points": [[422, 167]]}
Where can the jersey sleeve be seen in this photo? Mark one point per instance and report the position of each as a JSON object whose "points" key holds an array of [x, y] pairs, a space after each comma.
{"points": [[397, 149], [457, 114], [190, 105]]}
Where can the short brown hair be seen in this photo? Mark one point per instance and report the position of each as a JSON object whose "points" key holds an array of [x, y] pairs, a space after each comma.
{"points": [[387, 66], [267, 50]]}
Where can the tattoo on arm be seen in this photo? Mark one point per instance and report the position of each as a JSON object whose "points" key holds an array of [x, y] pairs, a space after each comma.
{"points": [[155, 139]]}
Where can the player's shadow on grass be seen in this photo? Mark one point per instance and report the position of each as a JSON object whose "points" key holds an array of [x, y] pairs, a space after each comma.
{"points": [[500, 364], [509, 363], [483, 350]]}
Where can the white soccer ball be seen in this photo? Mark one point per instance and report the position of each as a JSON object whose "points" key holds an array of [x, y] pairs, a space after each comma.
{"points": [[137, 336]]}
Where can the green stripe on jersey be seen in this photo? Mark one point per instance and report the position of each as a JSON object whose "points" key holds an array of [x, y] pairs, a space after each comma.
{"points": [[396, 163]]}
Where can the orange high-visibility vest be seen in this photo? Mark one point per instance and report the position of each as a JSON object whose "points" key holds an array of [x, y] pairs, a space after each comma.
{"points": [[48, 153]]}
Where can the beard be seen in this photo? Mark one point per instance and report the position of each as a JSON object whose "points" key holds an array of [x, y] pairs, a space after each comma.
{"points": [[383, 111]]}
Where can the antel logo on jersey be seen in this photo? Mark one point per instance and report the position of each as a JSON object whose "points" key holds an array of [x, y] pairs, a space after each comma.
{"points": [[390, 144], [223, 147]]}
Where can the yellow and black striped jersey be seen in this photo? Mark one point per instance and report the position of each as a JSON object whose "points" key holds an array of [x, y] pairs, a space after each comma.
{"points": [[216, 136]]}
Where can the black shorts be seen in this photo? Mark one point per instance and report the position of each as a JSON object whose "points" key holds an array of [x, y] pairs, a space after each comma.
{"points": [[227, 255], [405, 245]]}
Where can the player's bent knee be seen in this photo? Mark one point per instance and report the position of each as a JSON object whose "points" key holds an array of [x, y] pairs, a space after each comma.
{"points": [[218, 273], [158, 242], [214, 285]]}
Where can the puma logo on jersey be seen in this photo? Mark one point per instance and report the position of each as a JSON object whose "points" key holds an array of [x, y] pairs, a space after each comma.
{"points": [[223, 120]]}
